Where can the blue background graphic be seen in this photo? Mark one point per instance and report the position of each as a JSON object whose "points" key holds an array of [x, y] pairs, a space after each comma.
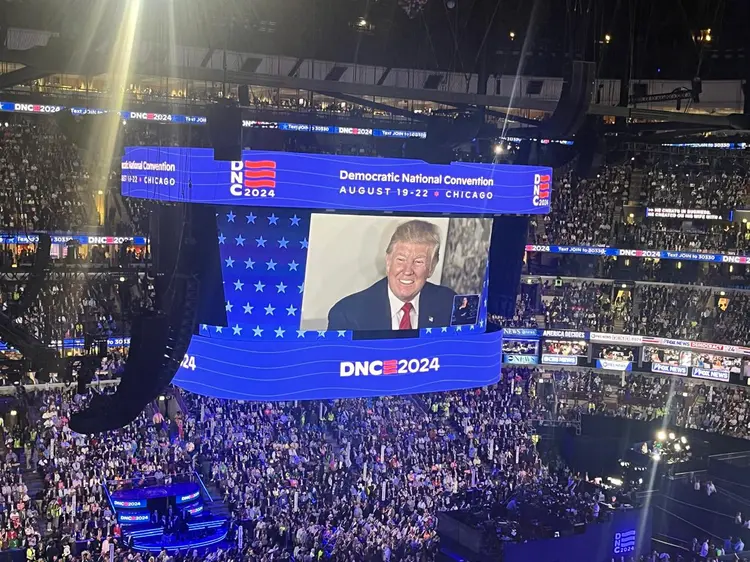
{"points": [[661, 254], [263, 260], [313, 181], [309, 370]]}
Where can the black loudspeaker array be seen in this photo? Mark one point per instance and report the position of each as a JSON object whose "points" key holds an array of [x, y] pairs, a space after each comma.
{"points": [[225, 130], [574, 102], [243, 93], [38, 273], [507, 247], [159, 339]]}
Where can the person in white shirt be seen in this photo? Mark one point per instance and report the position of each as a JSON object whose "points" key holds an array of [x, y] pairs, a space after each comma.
{"points": [[710, 488], [704, 549]]}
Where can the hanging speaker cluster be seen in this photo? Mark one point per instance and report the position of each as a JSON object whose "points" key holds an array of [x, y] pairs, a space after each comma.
{"points": [[225, 130]]}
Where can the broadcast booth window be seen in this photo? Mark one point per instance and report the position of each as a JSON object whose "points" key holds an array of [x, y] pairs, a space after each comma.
{"points": [[564, 352], [667, 360]]}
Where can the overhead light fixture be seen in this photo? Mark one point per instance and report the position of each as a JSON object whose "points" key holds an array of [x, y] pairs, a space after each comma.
{"points": [[498, 149], [607, 38], [672, 435], [512, 35], [361, 22], [661, 436]]}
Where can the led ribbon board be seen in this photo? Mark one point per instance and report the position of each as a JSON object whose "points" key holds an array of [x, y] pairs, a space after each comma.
{"points": [[312, 181]]}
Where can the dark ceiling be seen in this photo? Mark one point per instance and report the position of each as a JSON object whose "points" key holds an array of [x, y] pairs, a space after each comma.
{"points": [[648, 38]]}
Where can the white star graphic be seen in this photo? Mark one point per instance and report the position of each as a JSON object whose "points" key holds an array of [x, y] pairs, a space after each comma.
{"points": [[342, 333], [283, 242], [301, 333], [204, 326], [270, 265], [458, 328], [249, 263], [321, 333], [291, 311], [248, 309], [301, 287], [293, 265], [428, 330], [303, 243], [259, 287], [279, 332], [219, 329], [222, 238], [257, 331], [281, 288], [251, 218], [229, 261], [444, 329], [230, 216], [481, 323], [269, 310], [261, 242], [294, 220], [471, 327], [228, 307], [238, 285], [240, 240], [236, 330], [273, 219]]}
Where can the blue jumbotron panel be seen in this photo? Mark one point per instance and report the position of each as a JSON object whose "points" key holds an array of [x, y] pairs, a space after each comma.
{"points": [[265, 208], [313, 181], [338, 368]]}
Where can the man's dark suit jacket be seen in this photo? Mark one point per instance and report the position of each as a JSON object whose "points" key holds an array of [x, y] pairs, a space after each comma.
{"points": [[370, 309]]}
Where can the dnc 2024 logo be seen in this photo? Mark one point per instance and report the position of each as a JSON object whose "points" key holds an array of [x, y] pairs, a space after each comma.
{"points": [[624, 542], [388, 367], [541, 190], [253, 178]]}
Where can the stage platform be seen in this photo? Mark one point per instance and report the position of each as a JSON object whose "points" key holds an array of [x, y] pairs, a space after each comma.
{"points": [[140, 511], [182, 491]]}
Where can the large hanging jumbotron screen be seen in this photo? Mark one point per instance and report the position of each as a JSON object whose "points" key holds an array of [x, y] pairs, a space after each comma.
{"points": [[342, 276]]}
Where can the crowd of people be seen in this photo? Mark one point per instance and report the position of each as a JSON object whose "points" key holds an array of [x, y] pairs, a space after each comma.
{"points": [[583, 305], [688, 403], [72, 306], [674, 311], [592, 211], [361, 479], [347, 480], [42, 179], [577, 216], [694, 182]]}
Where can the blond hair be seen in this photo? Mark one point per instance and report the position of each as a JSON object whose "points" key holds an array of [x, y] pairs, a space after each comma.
{"points": [[417, 232]]}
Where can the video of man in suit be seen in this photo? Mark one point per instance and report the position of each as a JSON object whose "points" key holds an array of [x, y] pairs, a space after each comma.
{"points": [[383, 273], [465, 310]]}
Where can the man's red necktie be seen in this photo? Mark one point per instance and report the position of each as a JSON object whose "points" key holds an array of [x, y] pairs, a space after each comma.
{"points": [[405, 323]]}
